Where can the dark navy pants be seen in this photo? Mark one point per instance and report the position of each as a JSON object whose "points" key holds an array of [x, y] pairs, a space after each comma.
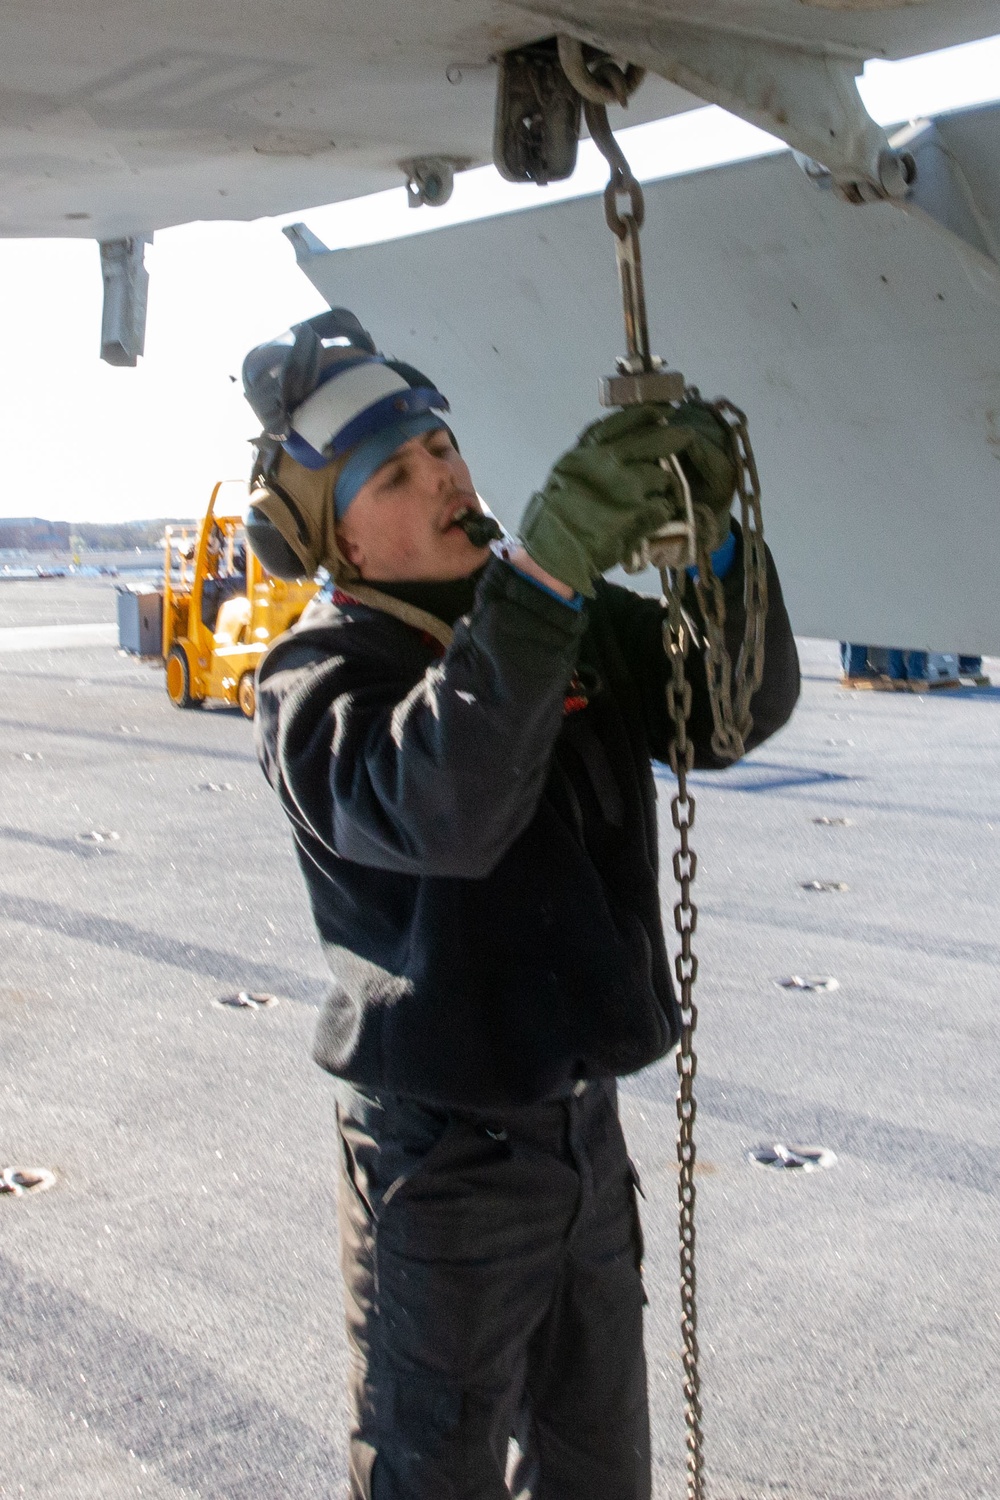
{"points": [[493, 1290]]}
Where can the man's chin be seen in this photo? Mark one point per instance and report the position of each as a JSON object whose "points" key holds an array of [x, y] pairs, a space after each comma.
{"points": [[460, 557], [478, 558]]}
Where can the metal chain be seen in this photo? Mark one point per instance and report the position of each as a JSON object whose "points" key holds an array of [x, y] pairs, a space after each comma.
{"points": [[729, 694], [731, 717], [621, 183], [728, 732], [682, 809], [750, 663]]}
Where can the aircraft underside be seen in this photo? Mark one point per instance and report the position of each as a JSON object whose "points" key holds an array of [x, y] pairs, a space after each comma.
{"points": [[857, 324], [118, 120]]}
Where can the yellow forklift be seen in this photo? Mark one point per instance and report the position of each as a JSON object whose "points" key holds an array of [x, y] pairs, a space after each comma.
{"points": [[221, 609]]}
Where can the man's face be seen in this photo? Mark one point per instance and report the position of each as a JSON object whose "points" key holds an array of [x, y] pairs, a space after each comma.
{"points": [[400, 526]]}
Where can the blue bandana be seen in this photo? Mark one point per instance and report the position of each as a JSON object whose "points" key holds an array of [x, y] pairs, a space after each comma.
{"points": [[376, 450]]}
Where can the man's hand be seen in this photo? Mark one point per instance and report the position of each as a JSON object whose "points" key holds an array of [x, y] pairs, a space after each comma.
{"points": [[611, 491]]}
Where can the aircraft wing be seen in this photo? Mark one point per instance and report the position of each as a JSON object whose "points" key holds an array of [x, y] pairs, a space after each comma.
{"points": [[120, 119], [864, 344]]}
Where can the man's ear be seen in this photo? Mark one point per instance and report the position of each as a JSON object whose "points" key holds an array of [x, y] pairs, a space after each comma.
{"points": [[350, 550]]}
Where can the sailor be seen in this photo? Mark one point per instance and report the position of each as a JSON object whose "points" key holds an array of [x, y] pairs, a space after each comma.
{"points": [[462, 739]]}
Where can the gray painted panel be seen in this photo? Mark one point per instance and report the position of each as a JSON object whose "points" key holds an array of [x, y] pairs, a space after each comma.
{"points": [[865, 354], [126, 118]]}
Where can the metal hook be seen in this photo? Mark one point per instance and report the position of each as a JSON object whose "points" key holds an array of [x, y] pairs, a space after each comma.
{"points": [[602, 83]]}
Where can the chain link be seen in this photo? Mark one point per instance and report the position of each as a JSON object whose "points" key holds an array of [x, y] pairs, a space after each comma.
{"points": [[621, 181], [682, 809], [732, 723], [731, 717], [750, 664]]}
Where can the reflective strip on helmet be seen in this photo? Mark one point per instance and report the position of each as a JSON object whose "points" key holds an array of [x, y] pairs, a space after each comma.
{"points": [[336, 403], [412, 402]]}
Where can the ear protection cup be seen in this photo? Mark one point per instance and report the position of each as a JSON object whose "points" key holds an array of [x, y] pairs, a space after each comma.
{"points": [[290, 522], [265, 540]]}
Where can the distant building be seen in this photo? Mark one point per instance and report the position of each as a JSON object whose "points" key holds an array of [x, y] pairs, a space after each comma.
{"points": [[32, 534]]}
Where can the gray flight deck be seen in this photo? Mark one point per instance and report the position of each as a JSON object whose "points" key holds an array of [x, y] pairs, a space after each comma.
{"points": [[170, 1311]]}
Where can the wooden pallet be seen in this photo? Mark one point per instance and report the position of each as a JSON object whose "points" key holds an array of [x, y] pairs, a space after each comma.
{"points": [[905, 685]]}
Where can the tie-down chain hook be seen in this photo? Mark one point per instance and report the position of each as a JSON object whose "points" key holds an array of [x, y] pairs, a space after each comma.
{"points": [[641, 378]]}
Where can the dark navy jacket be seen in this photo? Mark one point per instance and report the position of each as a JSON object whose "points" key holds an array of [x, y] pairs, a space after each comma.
{"points": [[477, 831]]}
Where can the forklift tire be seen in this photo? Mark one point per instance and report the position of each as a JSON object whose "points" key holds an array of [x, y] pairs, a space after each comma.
{"points": [[179, 679], [246, 695]]}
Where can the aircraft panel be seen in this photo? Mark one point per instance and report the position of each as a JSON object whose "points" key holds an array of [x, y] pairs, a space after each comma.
{"points": [[121, 119], [863, 344]]}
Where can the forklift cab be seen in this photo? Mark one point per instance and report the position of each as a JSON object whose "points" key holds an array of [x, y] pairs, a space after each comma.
{"points": [[221, 610]]}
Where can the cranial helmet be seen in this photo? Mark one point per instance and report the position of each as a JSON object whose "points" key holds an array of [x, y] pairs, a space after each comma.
{"points": [[333, 410]]}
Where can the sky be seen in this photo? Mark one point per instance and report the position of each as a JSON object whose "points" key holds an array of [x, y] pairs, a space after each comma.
{"points": [[86, 442]]}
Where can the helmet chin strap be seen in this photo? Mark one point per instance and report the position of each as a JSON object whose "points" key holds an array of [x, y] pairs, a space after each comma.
{"points": [[400, 609]]}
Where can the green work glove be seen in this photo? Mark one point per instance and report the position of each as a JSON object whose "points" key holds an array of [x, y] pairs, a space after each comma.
{"points": [[607, 494], [702, 437]]}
